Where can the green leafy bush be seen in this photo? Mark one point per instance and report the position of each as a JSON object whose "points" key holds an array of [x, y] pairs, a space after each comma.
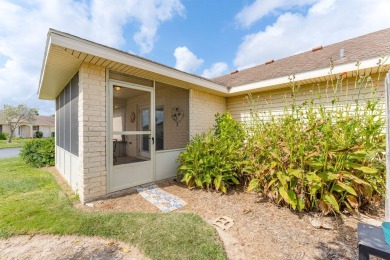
{"points": [[318, 157], [215, 159], [39, 152], [3, 136], [38, 134]]}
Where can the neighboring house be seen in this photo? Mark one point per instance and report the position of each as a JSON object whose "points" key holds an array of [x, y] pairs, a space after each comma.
{"points": [[44, 124], [122, 120]]}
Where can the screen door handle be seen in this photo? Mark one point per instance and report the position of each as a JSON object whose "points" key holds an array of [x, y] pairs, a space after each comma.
{"points": [[152, 139]]}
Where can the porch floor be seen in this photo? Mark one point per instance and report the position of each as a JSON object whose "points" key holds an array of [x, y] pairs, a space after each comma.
{"points": [[127, 159]]}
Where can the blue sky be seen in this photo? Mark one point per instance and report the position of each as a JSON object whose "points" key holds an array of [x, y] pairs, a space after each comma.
{"points": [[205, 37]]}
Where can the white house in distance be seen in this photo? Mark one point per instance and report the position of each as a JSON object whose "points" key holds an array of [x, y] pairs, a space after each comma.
{"points": [[122, 120], [44, 124]]}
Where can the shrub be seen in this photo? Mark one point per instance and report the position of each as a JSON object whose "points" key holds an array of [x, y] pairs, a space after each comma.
{"points": [[318, 157], [38, 134], [3, 136], [215, 159], [39, 152]]}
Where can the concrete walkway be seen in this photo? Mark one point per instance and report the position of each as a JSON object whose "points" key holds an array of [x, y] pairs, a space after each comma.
{"points": [[9, 152]]}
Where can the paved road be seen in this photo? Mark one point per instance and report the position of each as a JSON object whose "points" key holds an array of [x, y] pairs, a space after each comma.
{"points": [[9, 152]]}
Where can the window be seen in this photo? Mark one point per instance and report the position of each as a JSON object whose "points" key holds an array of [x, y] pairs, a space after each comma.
{"points": [[36, 128], [1, 128]]}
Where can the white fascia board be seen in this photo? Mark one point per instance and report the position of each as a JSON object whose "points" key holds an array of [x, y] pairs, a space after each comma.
{"points": [[45, 57], [370, 63], [107, 53]]}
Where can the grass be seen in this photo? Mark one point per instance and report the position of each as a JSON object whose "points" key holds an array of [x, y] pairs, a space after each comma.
{"points": [[31, 202], [15, 143]]}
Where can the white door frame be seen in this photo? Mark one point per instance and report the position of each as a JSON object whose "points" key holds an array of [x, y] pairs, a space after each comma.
{"points": [[142, 152], [109, 144]]}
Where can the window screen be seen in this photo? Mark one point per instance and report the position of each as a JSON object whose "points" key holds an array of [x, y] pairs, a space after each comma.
{"points": [[67, 123], [74, 116]]}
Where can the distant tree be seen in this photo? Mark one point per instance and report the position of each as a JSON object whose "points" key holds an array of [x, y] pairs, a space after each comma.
{"points": [[15, 116]]}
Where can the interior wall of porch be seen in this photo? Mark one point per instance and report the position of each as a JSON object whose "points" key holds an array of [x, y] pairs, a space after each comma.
{"points": [[176, 134]]}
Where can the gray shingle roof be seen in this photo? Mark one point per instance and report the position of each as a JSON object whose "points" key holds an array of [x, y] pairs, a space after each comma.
{"points": [[40, 120], [364, 47], [45, 120]]}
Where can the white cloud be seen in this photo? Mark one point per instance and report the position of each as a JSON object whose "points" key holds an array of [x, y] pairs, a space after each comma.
{"points": [[326, 22], [24, 25], [186, 60], [107, 16], [261, 8], [217, 69]]}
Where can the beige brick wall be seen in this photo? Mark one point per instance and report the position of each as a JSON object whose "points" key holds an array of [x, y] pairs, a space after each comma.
{"points": [[203, 107], [274, 101], [92, 132]]}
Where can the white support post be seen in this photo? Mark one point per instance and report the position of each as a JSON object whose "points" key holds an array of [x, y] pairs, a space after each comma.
{"points": [[387, 99]]}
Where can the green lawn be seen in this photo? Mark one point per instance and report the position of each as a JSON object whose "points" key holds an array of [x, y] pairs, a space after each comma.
{"points": [[31, 202], [13, 144]]}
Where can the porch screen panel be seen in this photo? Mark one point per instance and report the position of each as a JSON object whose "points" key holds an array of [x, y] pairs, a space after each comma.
{"points": [[62, 120], [67, 136], [57, 119], [74, 130], [67, 118]]}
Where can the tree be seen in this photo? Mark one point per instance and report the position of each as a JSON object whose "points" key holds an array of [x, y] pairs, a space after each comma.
{"points": [[15, 116]]}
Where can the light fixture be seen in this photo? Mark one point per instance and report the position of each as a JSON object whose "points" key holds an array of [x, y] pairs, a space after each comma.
{"points": [[117, 88]]}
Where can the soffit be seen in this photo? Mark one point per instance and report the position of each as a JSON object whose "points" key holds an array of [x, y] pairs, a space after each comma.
{"points": [[65, 54]]}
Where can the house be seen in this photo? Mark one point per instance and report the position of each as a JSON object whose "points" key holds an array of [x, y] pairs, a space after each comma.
{"points": [[122, 120], [44, 124]]}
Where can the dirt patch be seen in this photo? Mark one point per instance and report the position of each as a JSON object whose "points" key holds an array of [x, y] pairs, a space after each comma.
{"points": [[261, 230], [65, 247]]}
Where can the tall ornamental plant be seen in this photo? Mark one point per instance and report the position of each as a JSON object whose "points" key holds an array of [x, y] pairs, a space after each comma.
{"points": [[214, 160], [320, 155]]}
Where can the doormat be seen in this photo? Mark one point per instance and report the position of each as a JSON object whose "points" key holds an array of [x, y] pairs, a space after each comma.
{"points": [[163, 200]]}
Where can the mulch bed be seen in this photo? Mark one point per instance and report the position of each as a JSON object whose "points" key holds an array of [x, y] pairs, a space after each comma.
{"points": [[262, 230]]}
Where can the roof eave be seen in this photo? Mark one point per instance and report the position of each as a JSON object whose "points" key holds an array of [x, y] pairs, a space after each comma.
{"points": [[81, 45], [44, 62], [315, 74]]}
